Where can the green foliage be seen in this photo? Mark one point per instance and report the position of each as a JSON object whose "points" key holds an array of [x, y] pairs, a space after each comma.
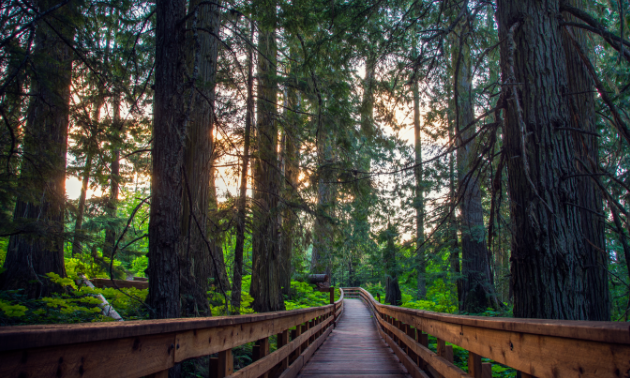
{"points": [[70, 305], [139, 266], [304, 296], [12, 310]]}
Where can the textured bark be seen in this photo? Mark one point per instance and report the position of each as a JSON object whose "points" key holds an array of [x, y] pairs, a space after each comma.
{"points": [[39, 211], [419, 200], [393, 296], [476, 280], [242, 206], [169, 127], [195, 259], [266, 272], [291, 173], [582, 116], [550, 266]]}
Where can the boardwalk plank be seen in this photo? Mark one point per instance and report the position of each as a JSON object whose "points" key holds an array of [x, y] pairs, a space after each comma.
{"points": [[354, 349]]}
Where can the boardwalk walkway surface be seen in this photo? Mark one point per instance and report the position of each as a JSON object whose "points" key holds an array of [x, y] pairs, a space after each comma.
{"points": [[354, 349]]}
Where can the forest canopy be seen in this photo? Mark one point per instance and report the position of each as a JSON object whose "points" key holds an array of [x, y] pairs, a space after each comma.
{"points": [[457, 156]]}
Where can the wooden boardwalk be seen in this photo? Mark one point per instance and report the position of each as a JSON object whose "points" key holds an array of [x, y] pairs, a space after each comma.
{"points": [[354, 349]]}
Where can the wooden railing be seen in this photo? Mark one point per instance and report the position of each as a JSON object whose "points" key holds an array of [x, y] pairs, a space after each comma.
{"points": [[150, 347], [535, 347]]}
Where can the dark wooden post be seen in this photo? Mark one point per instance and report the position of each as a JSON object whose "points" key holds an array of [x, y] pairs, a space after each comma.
{"points": [[444, 351], [223, 365], [423, 339], [478, 369]]}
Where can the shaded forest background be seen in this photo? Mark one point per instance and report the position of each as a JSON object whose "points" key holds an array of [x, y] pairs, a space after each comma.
{"points": [[453, 156]]}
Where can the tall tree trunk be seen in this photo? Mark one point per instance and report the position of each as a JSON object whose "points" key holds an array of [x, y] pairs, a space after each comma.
{"points": [[323, 232], [195, 261], [453, 238], [11, 103], [393, 295], [242, 205], [582, 116], [172, 96], [266, 280], [114, 176], [419, 200], [219, 272], [77, 248], [550, 268], [291, 174], [39, 211], [476, 284]]}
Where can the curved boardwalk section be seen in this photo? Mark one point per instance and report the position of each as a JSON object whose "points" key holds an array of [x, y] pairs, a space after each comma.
{"points": [[354, 349]]}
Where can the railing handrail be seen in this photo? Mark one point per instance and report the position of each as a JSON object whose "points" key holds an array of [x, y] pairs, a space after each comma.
{"points": [[601, 331], [46, 335], [536, 347], [180, 338]]}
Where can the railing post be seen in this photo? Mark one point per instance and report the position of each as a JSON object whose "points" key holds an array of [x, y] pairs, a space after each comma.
{"points": [[423, 339], [444, 351], [478, 369], [306, 343], [223, 365], [294, 335], [411, 332], [283, 339], [261, 350]]}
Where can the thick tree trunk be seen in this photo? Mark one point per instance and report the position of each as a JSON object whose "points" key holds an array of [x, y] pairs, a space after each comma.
{"points": [[266, 274], [476, 282], [242, 205], [550, 266], [39, 211], [172, 92], [582, 116], [195, 261]]}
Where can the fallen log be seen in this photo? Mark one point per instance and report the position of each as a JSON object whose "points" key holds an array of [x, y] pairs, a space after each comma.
{"points": [[106, 308]]}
